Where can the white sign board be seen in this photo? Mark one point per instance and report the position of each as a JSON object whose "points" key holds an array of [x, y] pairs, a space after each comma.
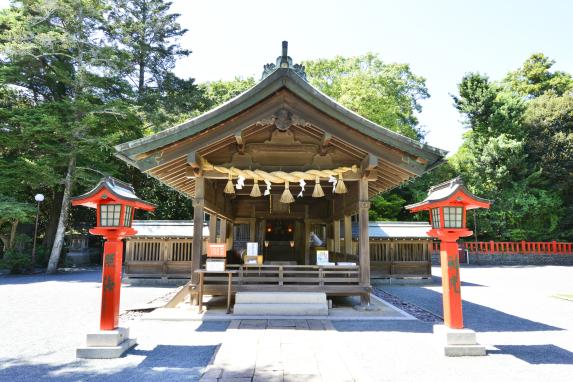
{"points": [[252, 249], [321, 257], [215, 265]]}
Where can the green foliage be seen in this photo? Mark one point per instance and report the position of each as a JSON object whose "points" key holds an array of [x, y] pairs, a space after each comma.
{"points": [[488, 110], [146, 35], [219, 92], [388, 94], [519, 151], [386, 207], [16, 262], [535, 78], [12, 210]]}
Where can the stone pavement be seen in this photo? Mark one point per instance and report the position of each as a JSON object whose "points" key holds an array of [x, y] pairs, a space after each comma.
{"points": [[528, 334], [279, 350]]}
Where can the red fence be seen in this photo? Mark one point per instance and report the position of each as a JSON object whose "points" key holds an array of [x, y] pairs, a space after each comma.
{"points": [[514, 247], [520, 247]]}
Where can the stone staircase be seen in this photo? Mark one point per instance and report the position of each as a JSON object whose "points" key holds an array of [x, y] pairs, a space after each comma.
{"points": [[280, 304]]}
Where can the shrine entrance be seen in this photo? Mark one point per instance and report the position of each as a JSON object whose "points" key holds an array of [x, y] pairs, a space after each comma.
{"points": [[287, 167], [279, 241]]}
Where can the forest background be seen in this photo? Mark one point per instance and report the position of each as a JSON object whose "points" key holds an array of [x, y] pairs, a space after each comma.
{"points": [[80, 76]]}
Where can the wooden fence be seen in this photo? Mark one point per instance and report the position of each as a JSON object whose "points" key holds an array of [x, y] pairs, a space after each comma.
{"points": [[158, 257], [401, 258], [171, 257]]}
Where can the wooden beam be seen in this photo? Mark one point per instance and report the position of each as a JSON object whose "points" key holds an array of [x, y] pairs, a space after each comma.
{"points": [[210, 136], [194, 161], [368, 164], [212, 228]]}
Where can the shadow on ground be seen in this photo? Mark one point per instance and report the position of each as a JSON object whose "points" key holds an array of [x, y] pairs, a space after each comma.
{"points": [[213, 326], [408, 326], [164, 362], [537, 354], [80, 276], [477, 317]]}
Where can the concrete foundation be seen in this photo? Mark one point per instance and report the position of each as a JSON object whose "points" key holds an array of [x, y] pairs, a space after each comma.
{"points": [[106, 344], [458, 342], [280, 304]]}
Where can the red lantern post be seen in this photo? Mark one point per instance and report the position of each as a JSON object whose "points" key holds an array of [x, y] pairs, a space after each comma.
{"points": [[447, 203], [116, 203]]}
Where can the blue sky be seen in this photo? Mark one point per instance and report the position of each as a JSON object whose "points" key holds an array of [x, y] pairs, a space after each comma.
{"points": [[441, 40]]}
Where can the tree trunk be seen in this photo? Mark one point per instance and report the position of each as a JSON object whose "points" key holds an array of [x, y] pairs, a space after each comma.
{"points": [[141, 82], [13, 230], [53, 215], [61, 230]]}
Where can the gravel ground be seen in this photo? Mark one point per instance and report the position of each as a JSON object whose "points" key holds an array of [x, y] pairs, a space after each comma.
{"points": [[528, 333]]}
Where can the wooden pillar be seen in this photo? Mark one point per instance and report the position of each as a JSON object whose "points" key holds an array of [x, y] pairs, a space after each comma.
{"points": [[212, 228], [198, 211], [306, 237], [451, 291], [111, 283], [348, 234], [364, 244], [223, 231], [336, 235], [252, 229]]}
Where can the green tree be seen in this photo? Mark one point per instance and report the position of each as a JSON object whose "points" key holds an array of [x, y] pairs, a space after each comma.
{"points": [[535, 78], [517, 150], [218, 92], [12, 213], [74, 109], [147, 35], [388, 94], [549, 125]]}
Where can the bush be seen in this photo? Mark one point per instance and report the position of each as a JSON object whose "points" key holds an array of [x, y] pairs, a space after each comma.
{"points": [[16, 262]]}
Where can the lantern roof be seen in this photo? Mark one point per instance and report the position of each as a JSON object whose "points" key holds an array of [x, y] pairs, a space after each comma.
{"points": [[451, 192], [110, 188]]}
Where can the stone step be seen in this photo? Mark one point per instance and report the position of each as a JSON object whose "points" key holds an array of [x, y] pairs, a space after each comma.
{"points": [[280, 298], [464, 350], [290, 309]]}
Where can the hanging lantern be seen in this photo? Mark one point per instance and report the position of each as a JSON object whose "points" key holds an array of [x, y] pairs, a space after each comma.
{"points": [[229, 189], [256, 191], [317, 192], [287, 197], [340, 187]]}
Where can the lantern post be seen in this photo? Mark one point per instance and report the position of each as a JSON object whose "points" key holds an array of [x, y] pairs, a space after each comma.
{"points": [[448, 204], [115, 203]]}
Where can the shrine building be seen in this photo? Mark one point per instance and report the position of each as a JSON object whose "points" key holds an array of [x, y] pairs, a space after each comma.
{"points": [[287, 167]]}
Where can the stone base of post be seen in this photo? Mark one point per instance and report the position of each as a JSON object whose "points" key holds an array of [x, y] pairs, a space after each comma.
{"points": [[458, 342], [106, 344]]}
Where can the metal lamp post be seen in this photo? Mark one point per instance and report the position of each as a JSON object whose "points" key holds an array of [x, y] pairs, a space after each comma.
{"points": [[39, 199]]}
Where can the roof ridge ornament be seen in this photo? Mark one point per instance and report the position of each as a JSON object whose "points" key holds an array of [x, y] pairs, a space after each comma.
{"points": [[285, 62]]}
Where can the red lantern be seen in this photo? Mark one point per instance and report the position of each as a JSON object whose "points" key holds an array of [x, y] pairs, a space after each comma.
{"points": [[447, 203], [115, 202]]}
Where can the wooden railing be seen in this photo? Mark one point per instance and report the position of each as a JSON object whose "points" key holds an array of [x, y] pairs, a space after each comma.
{"points": [[520, 247], [289, 275]]}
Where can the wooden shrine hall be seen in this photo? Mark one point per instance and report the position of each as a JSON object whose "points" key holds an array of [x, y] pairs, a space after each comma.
{"points": [[285, 166]]}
